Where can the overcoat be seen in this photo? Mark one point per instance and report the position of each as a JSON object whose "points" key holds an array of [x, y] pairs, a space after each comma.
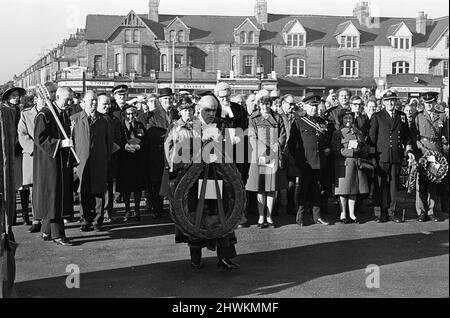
{"points": [[53, 176], [25, 132], [263, 135], [350, 180], [93, 143], [7, 200]]}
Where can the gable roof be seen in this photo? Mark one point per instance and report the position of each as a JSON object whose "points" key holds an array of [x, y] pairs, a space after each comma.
{"points": [[288, 27], [245, 21], [175, 20], [122, 21], [320, 28], [342, 27], [392, 31]]}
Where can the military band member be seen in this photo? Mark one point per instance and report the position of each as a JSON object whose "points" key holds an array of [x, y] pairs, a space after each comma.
{"points": [[120, 94], [429, 131], [389, 134], [309, 144]]}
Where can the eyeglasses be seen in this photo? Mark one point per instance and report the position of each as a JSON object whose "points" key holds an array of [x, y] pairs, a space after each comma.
{"points": [[357, 104]]}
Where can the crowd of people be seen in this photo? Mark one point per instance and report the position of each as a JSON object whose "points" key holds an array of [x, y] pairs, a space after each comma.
{"points": [[108, 149]]}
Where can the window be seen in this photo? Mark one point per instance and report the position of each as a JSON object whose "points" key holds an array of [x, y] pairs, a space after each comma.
{"points": [[401, 43], [445, 65], [349, 68], [296, 40], [248, 65], [98, 65], [136, 36], [172, 36], [234, 64], [349, 42], [132, 62], [180, 36], [118, 63], [400, 67], [251, 37], [243, 37], [127, 36], [179, 60], [295, 67], [164, 63]]}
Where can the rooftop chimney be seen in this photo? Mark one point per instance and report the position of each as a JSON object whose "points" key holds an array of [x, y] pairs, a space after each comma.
{"points": [[261, 11], [421, 23], [361, 11], [153, 10]]}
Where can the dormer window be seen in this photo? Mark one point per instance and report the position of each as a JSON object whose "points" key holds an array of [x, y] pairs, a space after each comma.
{"points": [[401, 43], [296, 40], [349, 42]]}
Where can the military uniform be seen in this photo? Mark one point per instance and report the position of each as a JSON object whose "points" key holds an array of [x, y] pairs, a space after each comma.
{"points": [[390, 135], [307, 144], [429, 132]]}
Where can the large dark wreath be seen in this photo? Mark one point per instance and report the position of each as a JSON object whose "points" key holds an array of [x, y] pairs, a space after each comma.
{"points": [[211, 226], [426, 168]]}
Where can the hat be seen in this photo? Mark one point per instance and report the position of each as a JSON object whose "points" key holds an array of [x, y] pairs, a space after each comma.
{"points": [[222, 89], [312, 99], [388, 94], [344, 113], [11, 90], [120, 89], [166, 91], [429, 97]]}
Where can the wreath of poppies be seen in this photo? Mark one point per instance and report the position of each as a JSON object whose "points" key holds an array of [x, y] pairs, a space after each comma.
{"points": [[427, 170]]}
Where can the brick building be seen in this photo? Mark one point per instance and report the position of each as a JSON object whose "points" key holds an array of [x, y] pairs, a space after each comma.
{"points": [[294, 53]]}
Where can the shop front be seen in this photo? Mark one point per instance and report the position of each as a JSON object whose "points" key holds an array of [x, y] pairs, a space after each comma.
{"points": [[414, 85]]}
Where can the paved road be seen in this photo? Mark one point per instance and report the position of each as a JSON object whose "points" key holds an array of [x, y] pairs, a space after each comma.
{"points": [[142, 260]]}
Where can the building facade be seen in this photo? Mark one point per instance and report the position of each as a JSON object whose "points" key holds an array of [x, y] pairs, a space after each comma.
{"points": [[296, 54]]}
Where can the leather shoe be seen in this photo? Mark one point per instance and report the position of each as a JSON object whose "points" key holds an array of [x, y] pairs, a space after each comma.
{"points": [[35, 228], [344, 221], [395, 219], [322, 222], [227, 264], [433, 218], [422, 217], [196, 265], [46, 237], [355, 221], [63, 241]]}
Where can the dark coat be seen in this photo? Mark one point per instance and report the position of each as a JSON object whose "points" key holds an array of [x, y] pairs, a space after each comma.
{"points": [[350, 180], [119, 140], [390, 137], [132, 176], [7, 201], [362, 123], [307, 145], [264, 179], [93, 144], [52, 178], [240, 116], [157, 123], [292, 169]]}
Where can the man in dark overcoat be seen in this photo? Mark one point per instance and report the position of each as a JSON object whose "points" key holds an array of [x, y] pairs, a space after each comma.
{"points": [[389, 134], [7, 201], [93, 143], [157, 124], [52, 171]]}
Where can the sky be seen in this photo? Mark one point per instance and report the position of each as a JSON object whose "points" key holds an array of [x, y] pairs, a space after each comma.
{"points": [[40, 25]]}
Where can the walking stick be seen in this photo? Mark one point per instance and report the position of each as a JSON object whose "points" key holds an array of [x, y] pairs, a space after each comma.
{"points": [[45, 95]]}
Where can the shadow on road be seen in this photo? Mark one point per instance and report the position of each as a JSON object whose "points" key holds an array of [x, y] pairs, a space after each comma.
{"points": [[262, 273]]}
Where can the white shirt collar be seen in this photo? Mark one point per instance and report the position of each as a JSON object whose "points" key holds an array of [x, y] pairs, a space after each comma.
{"points": [[226, 112]]}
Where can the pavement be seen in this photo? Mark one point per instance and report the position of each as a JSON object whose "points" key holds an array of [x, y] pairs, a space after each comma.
{"points": [[142, 260]]}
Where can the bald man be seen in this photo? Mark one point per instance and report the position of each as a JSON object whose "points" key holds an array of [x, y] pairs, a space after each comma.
{"points": [[53, 178], [93, 144]]}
